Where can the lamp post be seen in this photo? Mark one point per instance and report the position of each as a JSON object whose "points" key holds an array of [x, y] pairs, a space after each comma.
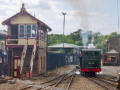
{"points": [[63, 13]]}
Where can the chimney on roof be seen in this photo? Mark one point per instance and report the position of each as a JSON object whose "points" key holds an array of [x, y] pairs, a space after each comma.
{"points": [[23, 8]]}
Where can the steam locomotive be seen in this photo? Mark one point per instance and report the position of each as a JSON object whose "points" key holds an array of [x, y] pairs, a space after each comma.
{"points": [[90, 61]]}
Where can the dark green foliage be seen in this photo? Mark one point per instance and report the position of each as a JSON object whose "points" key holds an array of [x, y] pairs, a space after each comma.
{"points": [[54, 39], [76, 35], [76, 38], [100, 40]]}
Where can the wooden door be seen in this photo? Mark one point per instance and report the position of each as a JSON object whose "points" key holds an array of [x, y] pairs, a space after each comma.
{"points": [[16, 67]]}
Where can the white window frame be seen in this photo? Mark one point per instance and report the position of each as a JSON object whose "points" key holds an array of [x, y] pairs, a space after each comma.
{"points": [[25, 31]]}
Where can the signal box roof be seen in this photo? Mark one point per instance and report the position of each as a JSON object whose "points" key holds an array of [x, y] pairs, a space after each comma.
{"points": [[23, 11]]}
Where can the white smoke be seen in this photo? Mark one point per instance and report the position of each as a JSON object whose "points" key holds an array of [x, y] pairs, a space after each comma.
{"points": [[84, 36], [81, 15]]}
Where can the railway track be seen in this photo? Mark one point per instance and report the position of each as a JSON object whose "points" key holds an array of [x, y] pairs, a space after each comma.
{"points": [[109, 78], [105, 83], [54, 83], [68, 83], [44, 85], [64, 82], [110, 81]]}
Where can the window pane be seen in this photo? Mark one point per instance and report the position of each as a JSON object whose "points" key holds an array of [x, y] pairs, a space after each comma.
{"points": [[21, 35], [33, 30], [28, 30]]}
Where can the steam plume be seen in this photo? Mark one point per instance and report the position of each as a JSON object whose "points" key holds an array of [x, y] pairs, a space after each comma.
{"points": [[84, 36], [81, 12], [81, 15]]}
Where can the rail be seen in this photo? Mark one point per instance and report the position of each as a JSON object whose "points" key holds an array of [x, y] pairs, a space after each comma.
{"points": [[69, 84]]}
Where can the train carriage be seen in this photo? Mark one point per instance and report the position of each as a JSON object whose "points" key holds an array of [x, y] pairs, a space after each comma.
{"points": [[90, 61]]}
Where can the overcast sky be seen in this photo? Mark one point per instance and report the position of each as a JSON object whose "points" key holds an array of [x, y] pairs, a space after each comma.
{"points": [[95, 15]]}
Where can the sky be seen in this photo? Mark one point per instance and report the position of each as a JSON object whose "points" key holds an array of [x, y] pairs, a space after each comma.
{"points": [[96, 15]]}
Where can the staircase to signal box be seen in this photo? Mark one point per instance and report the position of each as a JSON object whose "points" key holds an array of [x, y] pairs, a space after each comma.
{"points": [[26, 65], [28, 61], [23, 57], [32, 58]]}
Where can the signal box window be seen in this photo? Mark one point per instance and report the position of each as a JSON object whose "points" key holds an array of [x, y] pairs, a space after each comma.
{"points": [[22, 31], [33, 30], [28, 29]]}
